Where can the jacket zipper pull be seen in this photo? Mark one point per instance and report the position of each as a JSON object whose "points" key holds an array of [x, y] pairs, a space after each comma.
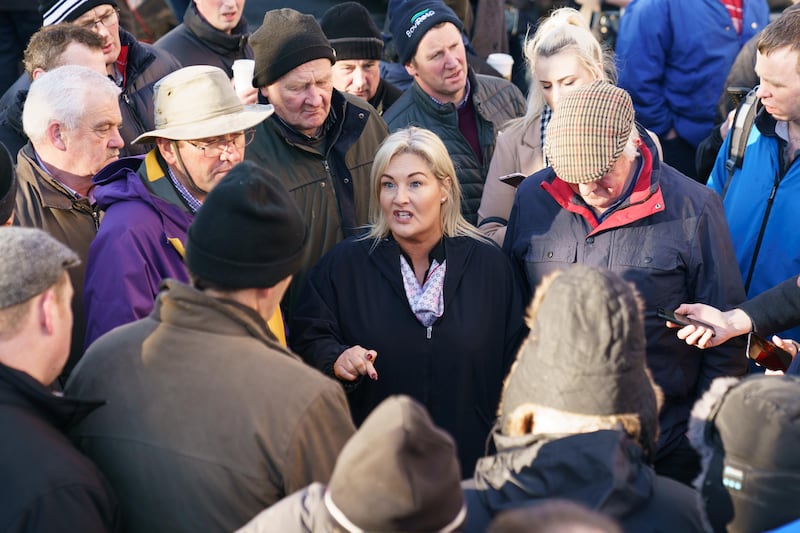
{"points": [[430, 329]]}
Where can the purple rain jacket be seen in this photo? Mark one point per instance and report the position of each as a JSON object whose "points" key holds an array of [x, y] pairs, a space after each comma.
{"points": [[139, 243]]}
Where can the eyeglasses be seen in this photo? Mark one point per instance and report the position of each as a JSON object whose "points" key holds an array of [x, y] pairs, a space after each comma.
{"points": [[213, 148], [107, 20]]}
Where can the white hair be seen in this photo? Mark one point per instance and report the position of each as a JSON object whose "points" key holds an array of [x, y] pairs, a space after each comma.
{"points": [[63, 95], [630, 151]]}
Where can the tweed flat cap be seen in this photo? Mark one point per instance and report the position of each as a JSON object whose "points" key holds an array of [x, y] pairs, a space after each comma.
{"points": [[588, 132], [32, 262]]}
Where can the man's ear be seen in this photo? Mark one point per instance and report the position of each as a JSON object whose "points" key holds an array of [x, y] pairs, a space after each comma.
{"points": [[167, 149], [37, 72], [56, 135], [411, 68], [46, 310]]}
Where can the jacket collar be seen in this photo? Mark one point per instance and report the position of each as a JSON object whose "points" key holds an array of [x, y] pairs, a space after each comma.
{"points": [[603, 470], [138, 58], [52, 193], [20, 389], [185, 307], [645, 200], [458, 250], [217, 41]]}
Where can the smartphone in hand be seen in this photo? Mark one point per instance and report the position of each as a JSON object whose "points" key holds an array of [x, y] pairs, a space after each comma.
{"points": [[682, 320], [767, 353]]}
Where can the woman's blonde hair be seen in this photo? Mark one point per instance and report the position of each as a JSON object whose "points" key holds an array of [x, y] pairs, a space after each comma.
{"points": [[429, 147], [564, 30]]}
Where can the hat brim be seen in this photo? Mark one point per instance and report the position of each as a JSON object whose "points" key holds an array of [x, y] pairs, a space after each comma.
{"points": [[251, 116]]}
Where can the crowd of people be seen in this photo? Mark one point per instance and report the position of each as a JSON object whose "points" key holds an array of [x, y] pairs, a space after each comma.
{"points": [[379, 286]]}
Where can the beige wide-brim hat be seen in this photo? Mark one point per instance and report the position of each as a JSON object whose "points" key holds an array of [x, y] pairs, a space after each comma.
{"points": [[198, 102]]}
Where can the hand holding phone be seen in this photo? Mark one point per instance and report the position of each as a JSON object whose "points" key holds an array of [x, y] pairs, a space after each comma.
{"points": [[682, 320]]}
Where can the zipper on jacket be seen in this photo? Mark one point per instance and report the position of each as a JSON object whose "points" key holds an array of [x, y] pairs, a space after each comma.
{"points": [[134, 113], [330, 179], [430, 330]]}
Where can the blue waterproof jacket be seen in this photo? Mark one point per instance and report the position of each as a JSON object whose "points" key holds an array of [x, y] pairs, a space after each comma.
{"points": [[745, 204], [673, 58]]}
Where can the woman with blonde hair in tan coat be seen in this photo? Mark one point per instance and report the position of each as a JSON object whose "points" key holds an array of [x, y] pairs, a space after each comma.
{"points": [[562, 55]]}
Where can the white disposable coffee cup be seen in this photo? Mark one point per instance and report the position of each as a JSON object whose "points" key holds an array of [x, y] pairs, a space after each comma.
{"points": [[243, 75], [502, 63]]}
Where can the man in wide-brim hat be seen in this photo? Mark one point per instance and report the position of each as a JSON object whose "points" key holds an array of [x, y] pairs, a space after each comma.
{"points": [[201, 130]]}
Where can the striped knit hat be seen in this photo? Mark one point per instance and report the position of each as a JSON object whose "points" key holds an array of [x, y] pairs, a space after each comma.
{"points": [[55, 11], [588, 132]]}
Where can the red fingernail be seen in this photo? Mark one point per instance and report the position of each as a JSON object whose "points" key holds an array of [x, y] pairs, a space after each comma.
{"points": [[369, 357], [373, 377]]}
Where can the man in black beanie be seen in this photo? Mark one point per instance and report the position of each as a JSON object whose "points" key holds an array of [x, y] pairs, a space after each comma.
{"points": [[320, 142], [357, 41], [209, 418], [447, 97]]}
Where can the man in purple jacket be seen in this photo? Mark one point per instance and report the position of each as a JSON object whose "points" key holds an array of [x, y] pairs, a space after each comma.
{"points": [[201, 132]]}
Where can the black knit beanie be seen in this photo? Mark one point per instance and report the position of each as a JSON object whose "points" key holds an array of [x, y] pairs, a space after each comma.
{"points": [[286, 40], [352, 32], [55, 11], [8, 185], [410, 20], [248, 233]]}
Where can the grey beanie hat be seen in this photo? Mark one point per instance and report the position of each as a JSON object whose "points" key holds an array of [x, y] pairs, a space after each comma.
{"points": [[746, 431], [398, 472], [32, 262], [585, 352]]}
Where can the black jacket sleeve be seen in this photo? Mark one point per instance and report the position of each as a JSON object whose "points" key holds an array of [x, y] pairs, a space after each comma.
{"points": [[776, 309]]}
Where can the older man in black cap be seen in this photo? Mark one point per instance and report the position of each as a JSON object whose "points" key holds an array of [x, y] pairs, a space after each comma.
{"points": [[47, 484], [209, 418], [324, 139], [357, 41], [608, 201]]}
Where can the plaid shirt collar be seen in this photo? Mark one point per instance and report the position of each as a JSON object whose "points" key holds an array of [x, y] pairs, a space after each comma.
{"points": [[191, 202]]}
